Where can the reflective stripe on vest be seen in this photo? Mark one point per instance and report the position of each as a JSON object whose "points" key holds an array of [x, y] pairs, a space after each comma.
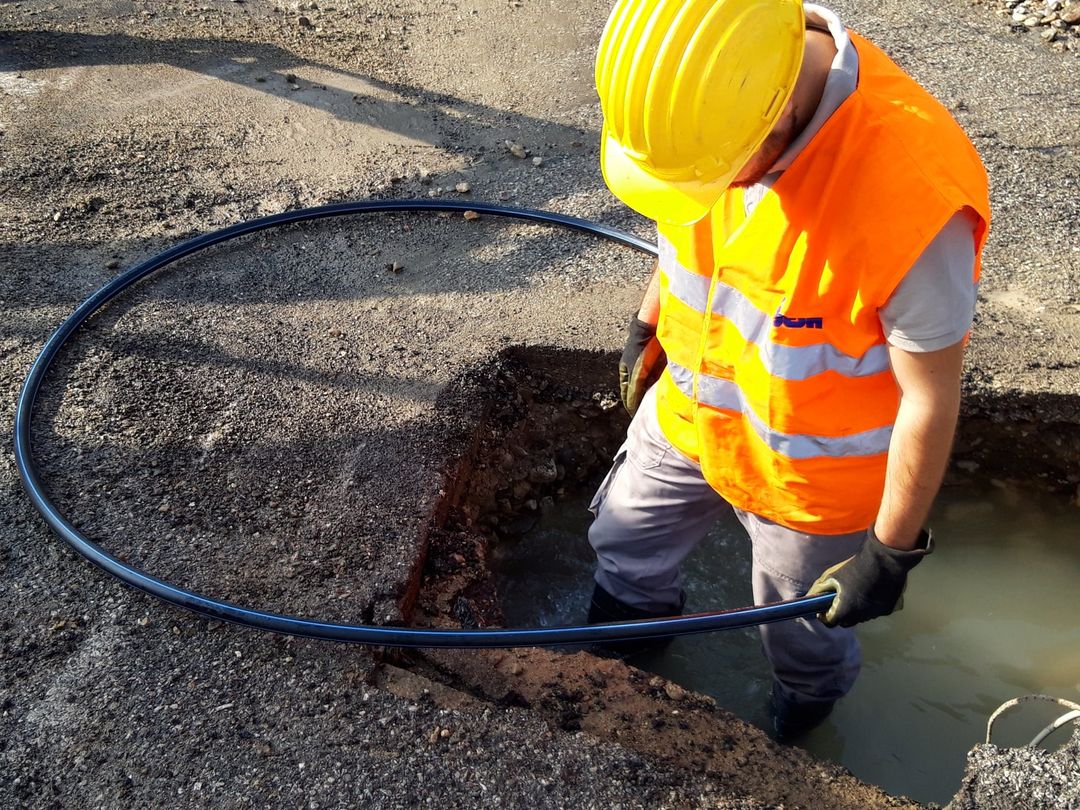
{"points": [[725, 394], [785, 362]]}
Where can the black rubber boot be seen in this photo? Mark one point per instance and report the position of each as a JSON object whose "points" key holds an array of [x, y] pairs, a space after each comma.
{"points": [[605, 608], [792, 719]]}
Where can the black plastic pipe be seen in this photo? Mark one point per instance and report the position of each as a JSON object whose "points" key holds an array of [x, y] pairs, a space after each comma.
{"points": [[295, 625]]}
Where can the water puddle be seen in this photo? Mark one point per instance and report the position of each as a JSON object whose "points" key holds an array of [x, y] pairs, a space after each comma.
{"points": [[992, 615]]}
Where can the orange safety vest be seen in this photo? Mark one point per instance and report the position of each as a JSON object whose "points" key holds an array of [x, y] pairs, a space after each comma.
{"points": [[778, 378]]}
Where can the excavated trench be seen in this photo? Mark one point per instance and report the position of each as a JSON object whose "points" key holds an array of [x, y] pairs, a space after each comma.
{"points": [[551, 423]]}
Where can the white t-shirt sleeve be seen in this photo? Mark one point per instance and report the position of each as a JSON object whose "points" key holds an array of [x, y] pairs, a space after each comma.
{"points": [[935, 303]]}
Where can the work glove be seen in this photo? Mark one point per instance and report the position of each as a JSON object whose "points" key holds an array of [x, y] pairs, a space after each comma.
{"points": [[641, 364], [869, 584]]}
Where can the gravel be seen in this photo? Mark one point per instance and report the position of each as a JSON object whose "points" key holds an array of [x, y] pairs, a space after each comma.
{"points": [[1032, 778]]}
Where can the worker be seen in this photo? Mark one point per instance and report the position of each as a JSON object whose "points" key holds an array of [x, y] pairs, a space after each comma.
{"points": [[797, 354]]}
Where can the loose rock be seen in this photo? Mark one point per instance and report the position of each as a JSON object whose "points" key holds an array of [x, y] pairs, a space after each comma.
{"points": [[516, 149], [674, 691], [544, 473]]}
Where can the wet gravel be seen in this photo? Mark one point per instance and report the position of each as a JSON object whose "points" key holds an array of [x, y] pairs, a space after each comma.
{"points": [[1007, 778]]}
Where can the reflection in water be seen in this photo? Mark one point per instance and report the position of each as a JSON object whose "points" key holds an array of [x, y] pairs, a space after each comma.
{"points": [[990, 616]]}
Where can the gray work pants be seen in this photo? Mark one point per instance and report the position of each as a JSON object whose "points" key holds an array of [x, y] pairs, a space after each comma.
{"points": [[654, 507]]}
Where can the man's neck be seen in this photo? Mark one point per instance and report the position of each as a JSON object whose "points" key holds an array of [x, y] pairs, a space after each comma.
{"points": [[805, 97], [817, 61]]}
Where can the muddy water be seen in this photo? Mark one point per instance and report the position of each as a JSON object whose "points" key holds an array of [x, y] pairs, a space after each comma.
{"points": [[992, 615]]}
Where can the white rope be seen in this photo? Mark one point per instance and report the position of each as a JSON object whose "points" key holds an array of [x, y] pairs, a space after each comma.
{"points": [[1073, 714]]}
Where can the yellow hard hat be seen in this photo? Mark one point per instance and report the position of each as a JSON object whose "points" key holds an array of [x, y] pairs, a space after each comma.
{"points": [[689, 90]]}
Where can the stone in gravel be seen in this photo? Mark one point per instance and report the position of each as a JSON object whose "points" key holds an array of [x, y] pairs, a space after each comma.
{"points": [[544, 473], [538, 161], [1049, 35], [516, 149], [304, 22], [112, 264], [674, 691], [424, 174], [1071, 15], [462, 188], [395, 267], [1031, 22], [471, 215], [519, 525], [1019, 13]]}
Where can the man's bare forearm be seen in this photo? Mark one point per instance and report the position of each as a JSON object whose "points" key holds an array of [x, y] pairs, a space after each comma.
{"points": [[649, 311], [921, 441]]}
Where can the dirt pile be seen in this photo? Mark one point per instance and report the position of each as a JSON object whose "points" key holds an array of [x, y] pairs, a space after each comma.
{"points": [[1006, 778]]}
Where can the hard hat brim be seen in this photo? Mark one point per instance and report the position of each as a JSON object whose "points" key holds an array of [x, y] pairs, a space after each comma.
{"points": [[672, 202]]}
